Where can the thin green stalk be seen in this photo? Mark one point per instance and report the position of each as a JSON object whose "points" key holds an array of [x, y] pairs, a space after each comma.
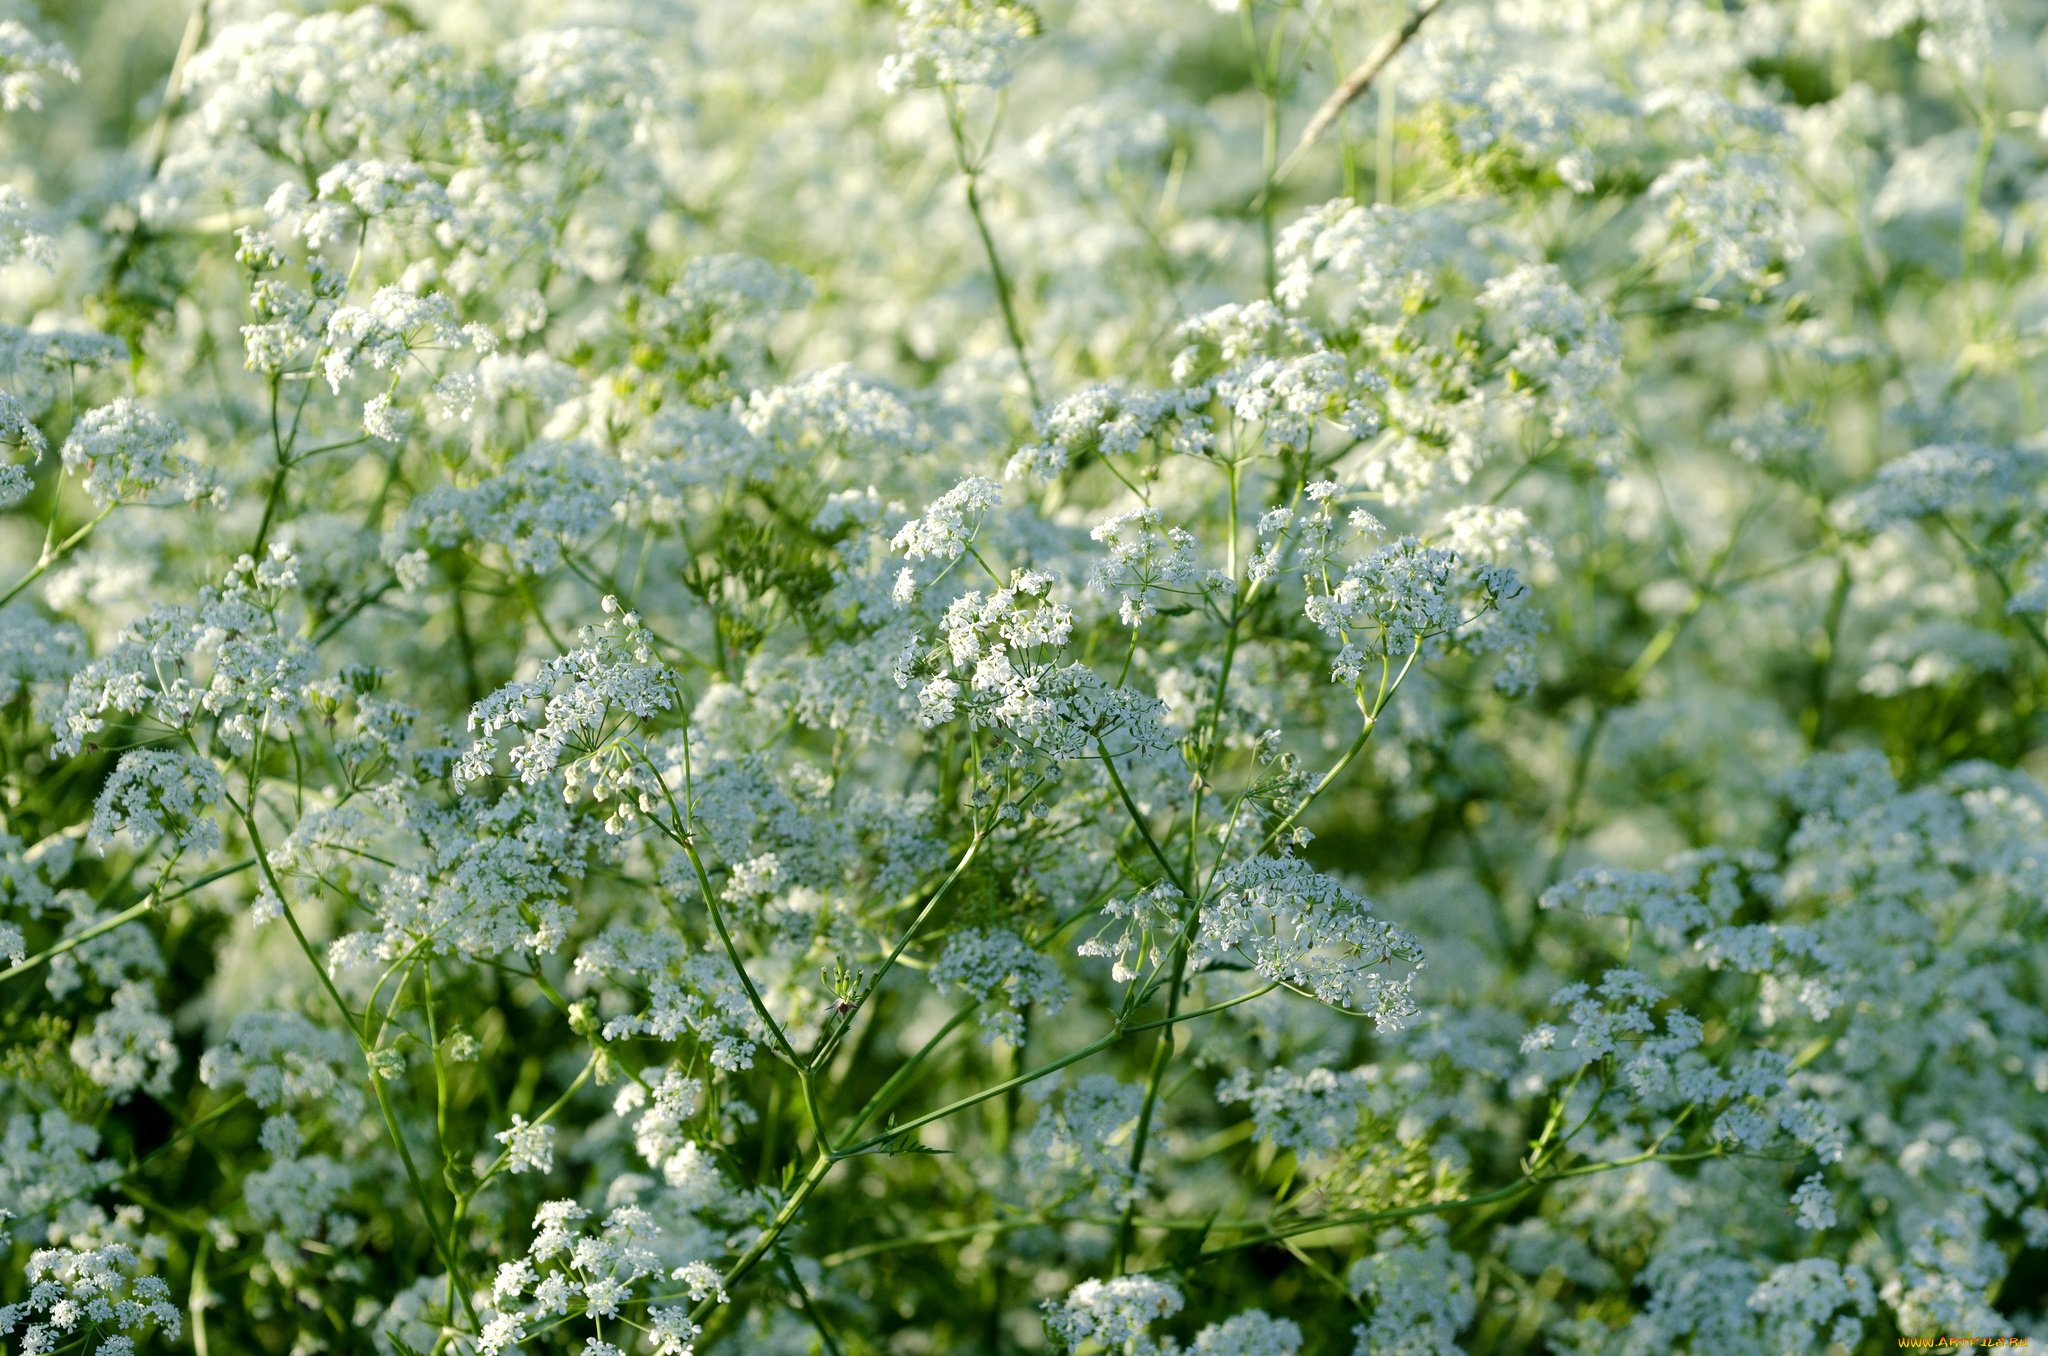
{"points": [[732, 954], [783, 1217], [52, 554], [898, 1080], [201, 1297], [505, 1156], [679, 833], [970, 170], [442, 1244], [127, 915], [826, 1046], [1984, 565], [1175, 1018], [1388, 687], [1025, 1079], [930, 1236], [1511, 1191], [811, 1311], [1358, 82], [1162, 1055], [1144, 829]]}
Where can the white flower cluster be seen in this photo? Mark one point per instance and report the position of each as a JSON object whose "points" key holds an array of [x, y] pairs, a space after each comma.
{"points": [[1111, 421], [1085, 1141], [1145, 560], [1314, 1110], [1421, 1295], [259, 671], [1005, 664], [1116, 1314], [94, 1296], [25, 60], [566, 1272], [954, 43], [126, 452], [1298, 927], [158, 795], [992, 963], [130, 1046], [1566, 347], [615, 670], [695, 993], [282, 1058], [1379, 251]]}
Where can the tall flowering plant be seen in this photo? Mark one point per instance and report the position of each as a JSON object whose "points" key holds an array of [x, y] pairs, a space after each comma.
{"points": [[1243, 679]]}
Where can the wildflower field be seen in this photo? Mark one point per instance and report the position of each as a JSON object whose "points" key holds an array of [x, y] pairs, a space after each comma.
{"points": [[1260, 678]]}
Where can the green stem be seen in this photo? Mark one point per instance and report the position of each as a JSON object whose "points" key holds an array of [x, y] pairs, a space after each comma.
{"points": [[900, 1079], [732, 953], [827, 1045], [1144, 829], [1162, 1055], [1030, 1076], [127, 915], [504, 1157], [52, 554], [1372, 720], [970, 171], [783, 1218], [442, 1244]]}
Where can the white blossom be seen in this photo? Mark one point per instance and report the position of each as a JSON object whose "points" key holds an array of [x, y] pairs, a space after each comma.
{"points": [[1299, 927], [127, 452], [1115, 1313], [1251, 1333], [156, 795], [78, 1294], [991, 964], [528, 1148], [957, 42], [1421, 1294]]}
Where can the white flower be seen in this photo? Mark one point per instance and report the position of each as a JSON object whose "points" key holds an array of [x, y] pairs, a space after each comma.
{"points": [[1113, 1313], [956, 42], [1564, 346], [528, 1148], [614, 669], [396, 324], [1814, 1300], [281, 1057], [673, 1332], [991, 964], [24, 60], [1144, 560], [1111, 421], [101, 1286], [126, 453], [1734, 207], [1963, 34], [130, 1046], [551, 1228], [944, 530], [703, 1280], [158, 794], [1251, 1333], [1298, 927], [383, 422], [1380, 250], [1315, 1110], [1086, 1139], [544, 503], [1421, 1294]]}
